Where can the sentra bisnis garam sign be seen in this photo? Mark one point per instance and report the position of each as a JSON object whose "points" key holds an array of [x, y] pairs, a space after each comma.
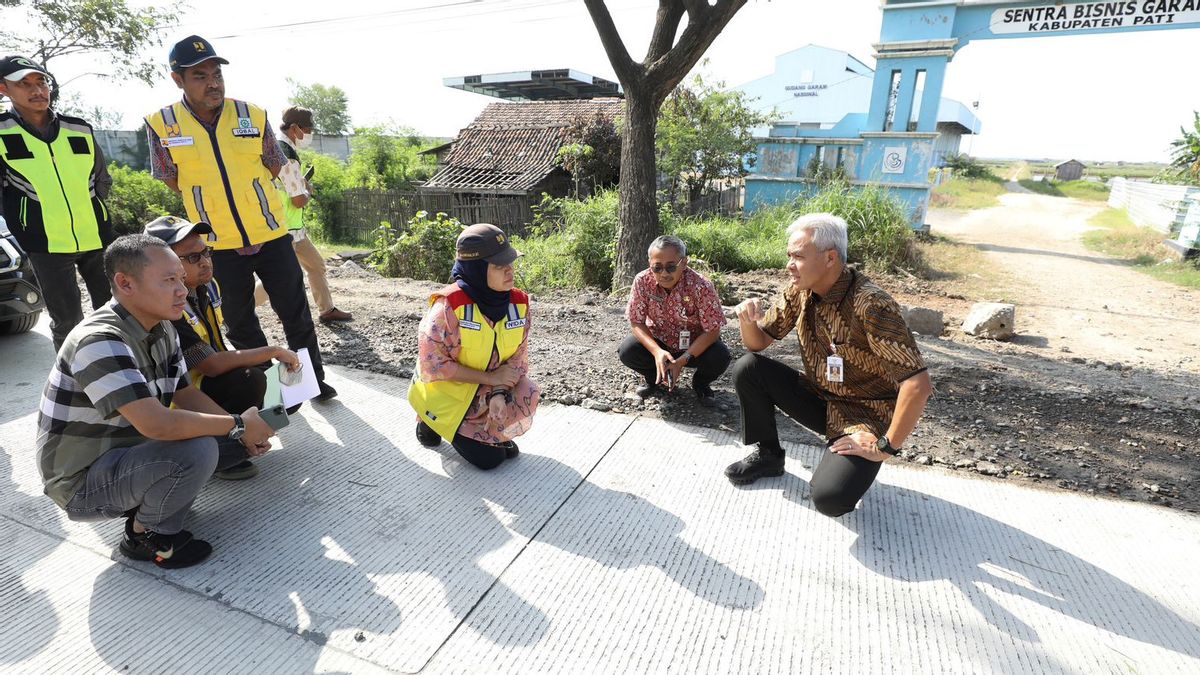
{"points": [[1093, 15]]}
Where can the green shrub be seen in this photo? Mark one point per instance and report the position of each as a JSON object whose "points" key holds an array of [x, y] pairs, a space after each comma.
{"points": [[425, 250], [967, 166], [329, 181], [736, 245], [137, 198], [881, 236]]}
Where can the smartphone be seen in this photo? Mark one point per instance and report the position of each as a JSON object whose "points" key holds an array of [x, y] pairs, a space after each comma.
{"points": [[309, 174], [670, 379]]}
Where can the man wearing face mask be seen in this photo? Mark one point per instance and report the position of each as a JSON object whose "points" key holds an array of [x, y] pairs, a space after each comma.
{"points": [[295, 192], [676, 319]]}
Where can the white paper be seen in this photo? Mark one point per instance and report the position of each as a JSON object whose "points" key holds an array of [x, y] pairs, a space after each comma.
{"points": [[307, 388]]}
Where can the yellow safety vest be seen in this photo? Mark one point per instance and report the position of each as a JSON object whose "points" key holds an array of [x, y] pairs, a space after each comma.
{"points": [[50, 199], [221, 174], [443, 404], [207, 324]]}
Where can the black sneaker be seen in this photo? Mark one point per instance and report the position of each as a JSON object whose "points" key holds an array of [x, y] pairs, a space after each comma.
{"points": [[427, 436], [327, 392], [762, 463], [649, 390], [168, 551], [510, 449], [705, 394], [240, 471]]}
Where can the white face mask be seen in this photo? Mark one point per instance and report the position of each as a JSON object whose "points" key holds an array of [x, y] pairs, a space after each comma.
{"points": [[304, 141]]}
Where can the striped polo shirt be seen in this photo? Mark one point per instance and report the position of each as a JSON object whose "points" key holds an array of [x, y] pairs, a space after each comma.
{"points": [[107, 361]]}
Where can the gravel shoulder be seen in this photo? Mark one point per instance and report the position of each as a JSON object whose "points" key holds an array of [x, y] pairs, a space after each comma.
{"points": [[1110, 411]]}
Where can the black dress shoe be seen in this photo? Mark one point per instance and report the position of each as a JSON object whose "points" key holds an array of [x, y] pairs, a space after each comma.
{"points": [[327, 392], [706, 395], [649, 391], [427, 436], [762, 463]]}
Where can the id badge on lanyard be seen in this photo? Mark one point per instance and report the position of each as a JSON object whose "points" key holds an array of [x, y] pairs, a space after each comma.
{"points": [[834, 367]]}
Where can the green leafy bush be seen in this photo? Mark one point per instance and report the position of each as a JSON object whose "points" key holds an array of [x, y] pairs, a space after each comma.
{"points": [[967, 166], [880, 234], [330, 179], [424, 250], [137, 198], [571, 243]]}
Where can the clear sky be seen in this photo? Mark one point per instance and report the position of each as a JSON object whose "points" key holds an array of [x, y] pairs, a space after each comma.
{"points": [[1120, 96]]}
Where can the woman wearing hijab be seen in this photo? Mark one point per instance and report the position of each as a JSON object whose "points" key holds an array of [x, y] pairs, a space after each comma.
{"points": [[471, 386]]}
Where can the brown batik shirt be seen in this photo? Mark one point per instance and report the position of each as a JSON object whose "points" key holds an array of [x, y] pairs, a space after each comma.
{"points": [[877, 350]]}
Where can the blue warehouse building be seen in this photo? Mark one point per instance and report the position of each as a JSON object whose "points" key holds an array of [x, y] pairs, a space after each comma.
{"points": [[907, 126], [822, 97]]}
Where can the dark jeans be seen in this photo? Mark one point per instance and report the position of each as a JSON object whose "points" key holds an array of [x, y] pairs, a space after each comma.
{"points": [[56, 276], [763, 384], [236, 390], [283, 280], [709, 365], [160, 479], [482, 455]]}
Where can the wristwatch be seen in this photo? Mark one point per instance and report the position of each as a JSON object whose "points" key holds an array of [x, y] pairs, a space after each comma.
{"points": [[238, 430], [884, 445]]}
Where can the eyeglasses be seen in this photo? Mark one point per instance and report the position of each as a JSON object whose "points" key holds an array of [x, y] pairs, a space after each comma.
{"points": [[194, 258], [669, 269]]}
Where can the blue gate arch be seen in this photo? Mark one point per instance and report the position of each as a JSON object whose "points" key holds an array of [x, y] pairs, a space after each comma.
{"points": [[893, 147]]}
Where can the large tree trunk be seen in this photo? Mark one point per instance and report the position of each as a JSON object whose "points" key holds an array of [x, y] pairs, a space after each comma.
{"points": [[647, 85], [639, 203]]}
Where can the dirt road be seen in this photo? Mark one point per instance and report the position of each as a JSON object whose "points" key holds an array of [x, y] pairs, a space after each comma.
{"points": [[1076, 301]]}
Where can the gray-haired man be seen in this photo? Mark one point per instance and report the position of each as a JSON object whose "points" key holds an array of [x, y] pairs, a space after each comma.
{"points": [[676, 318]]}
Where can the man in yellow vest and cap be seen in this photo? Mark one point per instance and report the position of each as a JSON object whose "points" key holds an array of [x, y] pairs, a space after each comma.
{"points": [[230, 377], [52, 180], [222, 157]]}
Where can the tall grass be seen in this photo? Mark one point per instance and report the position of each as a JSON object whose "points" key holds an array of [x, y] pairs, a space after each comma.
{"points": [[1118, 237], [967, 193]]}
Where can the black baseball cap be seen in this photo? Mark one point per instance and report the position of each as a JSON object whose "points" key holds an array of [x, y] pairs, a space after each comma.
{"points": [[484, 241], [173, 230], [192, 50], [15, 68]]}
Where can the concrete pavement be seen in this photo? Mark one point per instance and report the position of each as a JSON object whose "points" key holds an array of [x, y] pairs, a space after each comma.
{"points": [[611, 545]]}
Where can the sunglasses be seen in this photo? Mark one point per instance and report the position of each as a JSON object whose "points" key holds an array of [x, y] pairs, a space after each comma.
{"points": [[669, 269], [194, 258]]}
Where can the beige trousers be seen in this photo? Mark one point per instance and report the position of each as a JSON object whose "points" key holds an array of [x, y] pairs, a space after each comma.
{"points": [[314, 267]]}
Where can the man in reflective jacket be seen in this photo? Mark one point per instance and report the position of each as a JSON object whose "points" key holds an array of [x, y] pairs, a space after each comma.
{"points": [[52, 179], [222, 156]]}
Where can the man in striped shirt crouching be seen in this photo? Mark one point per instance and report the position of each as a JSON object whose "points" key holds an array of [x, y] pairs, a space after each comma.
{"points": [[109, 442]]}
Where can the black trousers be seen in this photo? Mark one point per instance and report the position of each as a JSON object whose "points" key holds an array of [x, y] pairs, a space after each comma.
{"points": [[60, 287], [236, 390], [762, 385], [709, 365], [480, 454], [283, 280]]}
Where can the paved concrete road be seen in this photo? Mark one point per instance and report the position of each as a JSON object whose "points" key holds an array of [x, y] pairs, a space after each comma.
{"points": [[611, 545]]}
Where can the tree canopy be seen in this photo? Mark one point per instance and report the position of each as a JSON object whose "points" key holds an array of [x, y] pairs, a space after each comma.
{"points": [[705, 134], [110, 28], [328, 103]]}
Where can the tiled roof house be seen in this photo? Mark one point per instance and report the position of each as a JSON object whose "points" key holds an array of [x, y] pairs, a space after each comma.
{"points": [[512, 147]]}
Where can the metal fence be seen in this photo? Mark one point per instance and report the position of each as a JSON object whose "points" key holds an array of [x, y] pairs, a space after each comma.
{"points": [[726, 203], [361, 211]]}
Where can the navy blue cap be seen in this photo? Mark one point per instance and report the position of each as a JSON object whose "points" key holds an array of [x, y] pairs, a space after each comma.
{"points": [[192, 50]]}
